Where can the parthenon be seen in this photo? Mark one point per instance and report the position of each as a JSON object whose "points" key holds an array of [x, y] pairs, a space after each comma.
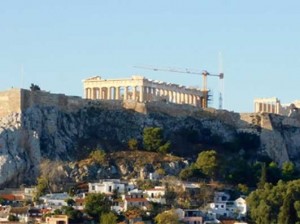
{"points": [[140, 89]]}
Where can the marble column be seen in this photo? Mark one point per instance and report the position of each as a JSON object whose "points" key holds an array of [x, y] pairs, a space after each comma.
{"points": [[141, 98]]}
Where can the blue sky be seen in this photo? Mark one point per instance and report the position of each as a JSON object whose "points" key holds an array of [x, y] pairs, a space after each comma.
{"points": [[58, 43]]}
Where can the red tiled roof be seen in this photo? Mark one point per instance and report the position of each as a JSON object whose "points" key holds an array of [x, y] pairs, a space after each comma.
{"points": [[229, 221], [8, 197], [12, 197], [45, 210], [79, 200]]}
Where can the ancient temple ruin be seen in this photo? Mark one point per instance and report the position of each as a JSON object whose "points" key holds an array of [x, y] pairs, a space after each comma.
{"points": [[140, 89], [267, 105]]}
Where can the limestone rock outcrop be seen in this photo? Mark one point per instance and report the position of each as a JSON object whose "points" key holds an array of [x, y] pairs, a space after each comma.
{"points": [[49, 133]]}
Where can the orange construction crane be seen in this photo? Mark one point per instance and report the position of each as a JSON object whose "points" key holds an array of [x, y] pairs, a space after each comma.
{"points": [[204, 74]]}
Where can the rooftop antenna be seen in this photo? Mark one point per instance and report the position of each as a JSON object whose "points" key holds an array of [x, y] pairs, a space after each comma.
{"points": [[221, 82]]}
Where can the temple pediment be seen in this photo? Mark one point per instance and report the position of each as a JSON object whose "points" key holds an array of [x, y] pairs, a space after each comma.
{"points": [[93, 78]]}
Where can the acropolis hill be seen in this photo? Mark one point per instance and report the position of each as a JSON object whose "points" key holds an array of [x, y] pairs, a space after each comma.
{"points": [[38, 125]]}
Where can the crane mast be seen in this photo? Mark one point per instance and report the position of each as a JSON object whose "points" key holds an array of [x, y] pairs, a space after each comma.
{"points": [[204, 74]]}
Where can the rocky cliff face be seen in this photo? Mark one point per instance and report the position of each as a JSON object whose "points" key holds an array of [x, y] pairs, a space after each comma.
{"points": [[48, 133]]}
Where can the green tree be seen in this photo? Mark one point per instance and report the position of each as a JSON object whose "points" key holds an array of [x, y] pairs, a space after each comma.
{"points": [[53, 174], [96, 204], [204, 195], [41, 187], [153, 140], [160, 171], [34, 87], [286, 211], [207, 162], [73, 214], [108, 218], [133, 144], [98, 156], [263, 215], [70, 201], [186, 173], [241, 173], [288, 171], [170, 196], [57, 212], [1, 201], [243, 189], [13, 218], [263, 176], [164, 148], [297, 208], [167, 217], [273, 173], [275, 204]]}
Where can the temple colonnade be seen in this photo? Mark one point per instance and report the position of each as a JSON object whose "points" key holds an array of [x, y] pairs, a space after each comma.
{"points": [[140, 89], [267, 105]]}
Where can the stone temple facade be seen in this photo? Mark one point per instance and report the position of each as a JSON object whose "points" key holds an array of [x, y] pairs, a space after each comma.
{"points": [[273, 105], [267, 105], [141, 89]]}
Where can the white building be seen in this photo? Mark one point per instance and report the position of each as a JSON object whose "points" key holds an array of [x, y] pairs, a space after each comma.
{"points": [[157, 194], [135, 198], [108, 186], [190, 216], [55, 199], [222, 206], [29, 192], [241, 207]]}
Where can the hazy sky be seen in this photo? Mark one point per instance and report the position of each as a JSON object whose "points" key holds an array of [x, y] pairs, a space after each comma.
{"points": [[58, 43]]}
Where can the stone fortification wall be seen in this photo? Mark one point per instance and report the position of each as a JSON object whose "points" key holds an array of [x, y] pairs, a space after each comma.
{"points": [[172, 108], [42, 98], [10, 102], [17, 100]]}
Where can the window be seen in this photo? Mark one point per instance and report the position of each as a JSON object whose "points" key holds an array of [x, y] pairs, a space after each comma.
{"points": [[222, 206], [93, 188]]}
